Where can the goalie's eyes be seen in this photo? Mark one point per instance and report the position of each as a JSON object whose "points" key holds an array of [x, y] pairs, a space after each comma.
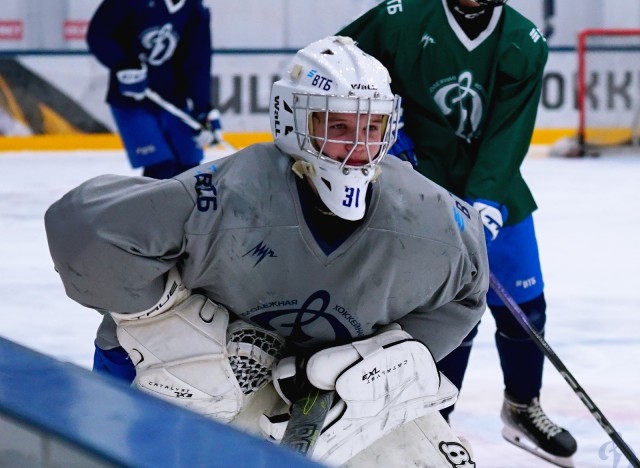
{"points": [[349, 128], [341, 128]]}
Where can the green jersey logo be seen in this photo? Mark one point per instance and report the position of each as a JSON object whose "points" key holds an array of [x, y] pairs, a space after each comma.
{"points": [[461, 102]]}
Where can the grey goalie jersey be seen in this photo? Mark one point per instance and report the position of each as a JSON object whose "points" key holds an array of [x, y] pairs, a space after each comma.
{"points": [[236, 230]]}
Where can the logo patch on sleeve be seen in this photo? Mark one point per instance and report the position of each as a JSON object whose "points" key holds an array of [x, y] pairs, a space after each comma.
{"points": [[206, 193]]}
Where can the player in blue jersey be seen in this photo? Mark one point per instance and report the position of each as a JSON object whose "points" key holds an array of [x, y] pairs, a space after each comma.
{"points": [[164, 46]]}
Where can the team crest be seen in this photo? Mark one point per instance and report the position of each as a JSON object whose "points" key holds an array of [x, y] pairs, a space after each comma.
{"points": [[461, 101], [160, 44], [301, 322]]}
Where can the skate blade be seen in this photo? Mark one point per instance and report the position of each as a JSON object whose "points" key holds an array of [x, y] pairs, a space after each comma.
{"points": [[521, 440]]}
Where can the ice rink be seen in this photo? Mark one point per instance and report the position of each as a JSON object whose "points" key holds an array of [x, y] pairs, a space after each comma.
{"points": [[588, 227]]}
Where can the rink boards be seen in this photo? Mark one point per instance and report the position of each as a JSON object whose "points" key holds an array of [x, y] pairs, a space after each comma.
{"points": [[54, 413]]}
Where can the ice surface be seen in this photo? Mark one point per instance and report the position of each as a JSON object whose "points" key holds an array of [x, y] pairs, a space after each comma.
{"points": [[588, 227]]}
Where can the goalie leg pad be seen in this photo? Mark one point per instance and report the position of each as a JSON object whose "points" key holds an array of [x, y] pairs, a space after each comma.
{"points": [[426, 441]]}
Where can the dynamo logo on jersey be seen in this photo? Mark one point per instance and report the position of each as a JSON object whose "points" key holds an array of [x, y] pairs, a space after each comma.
{"points": [[303, 324], [459, 100], [161, 44]]}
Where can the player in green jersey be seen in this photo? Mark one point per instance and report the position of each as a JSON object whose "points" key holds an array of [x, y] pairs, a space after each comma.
{"points": [[470, 74]]}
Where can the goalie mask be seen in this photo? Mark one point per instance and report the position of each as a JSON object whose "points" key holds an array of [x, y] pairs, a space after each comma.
{"points": [[328, 77]]}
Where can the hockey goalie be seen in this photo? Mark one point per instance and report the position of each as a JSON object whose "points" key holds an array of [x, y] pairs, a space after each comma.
{"points": [[313, 263]]}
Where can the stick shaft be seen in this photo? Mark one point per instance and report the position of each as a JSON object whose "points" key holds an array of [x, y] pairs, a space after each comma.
{"points": [[307, 418], [523, 320], [169, 107], [182, 115]]}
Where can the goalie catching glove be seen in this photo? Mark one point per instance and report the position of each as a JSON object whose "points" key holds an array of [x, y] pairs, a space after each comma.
{"points": [[186, 352], [382, 382]]}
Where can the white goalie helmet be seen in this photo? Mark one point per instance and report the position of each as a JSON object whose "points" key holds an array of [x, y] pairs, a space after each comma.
{"points": [[333, 75]]}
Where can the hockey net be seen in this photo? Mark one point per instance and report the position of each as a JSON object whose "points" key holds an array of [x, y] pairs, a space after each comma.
{"points": [[608, 93]]}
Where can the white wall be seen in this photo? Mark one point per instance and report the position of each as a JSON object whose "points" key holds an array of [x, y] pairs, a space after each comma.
{"points": [[242, 82], [292, 23]]}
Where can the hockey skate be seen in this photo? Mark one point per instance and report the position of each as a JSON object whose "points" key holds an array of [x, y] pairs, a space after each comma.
{"points": [[528, 427]]}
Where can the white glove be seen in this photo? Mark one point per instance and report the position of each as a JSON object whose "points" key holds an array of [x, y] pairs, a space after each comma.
{"points": [[211, 132], [491, 215], [133, 82]]}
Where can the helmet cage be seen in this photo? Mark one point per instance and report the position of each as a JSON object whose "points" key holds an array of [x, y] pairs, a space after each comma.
{"points": [[304, 107], [333, 76]]}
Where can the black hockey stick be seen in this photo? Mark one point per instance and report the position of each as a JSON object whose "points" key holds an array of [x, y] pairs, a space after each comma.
{"points": [[523, 320], [307, 418]]}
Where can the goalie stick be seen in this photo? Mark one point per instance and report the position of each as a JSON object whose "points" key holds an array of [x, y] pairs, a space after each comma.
{"points": [[182, 115], [307, 418], [523, 320]]}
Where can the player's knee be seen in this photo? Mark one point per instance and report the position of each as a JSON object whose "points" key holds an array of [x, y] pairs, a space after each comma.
{"points": [[506, 323]]}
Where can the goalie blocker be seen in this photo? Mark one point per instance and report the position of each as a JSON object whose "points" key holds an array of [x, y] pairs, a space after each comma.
{"points": [[382, 384], [186, 352]]}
